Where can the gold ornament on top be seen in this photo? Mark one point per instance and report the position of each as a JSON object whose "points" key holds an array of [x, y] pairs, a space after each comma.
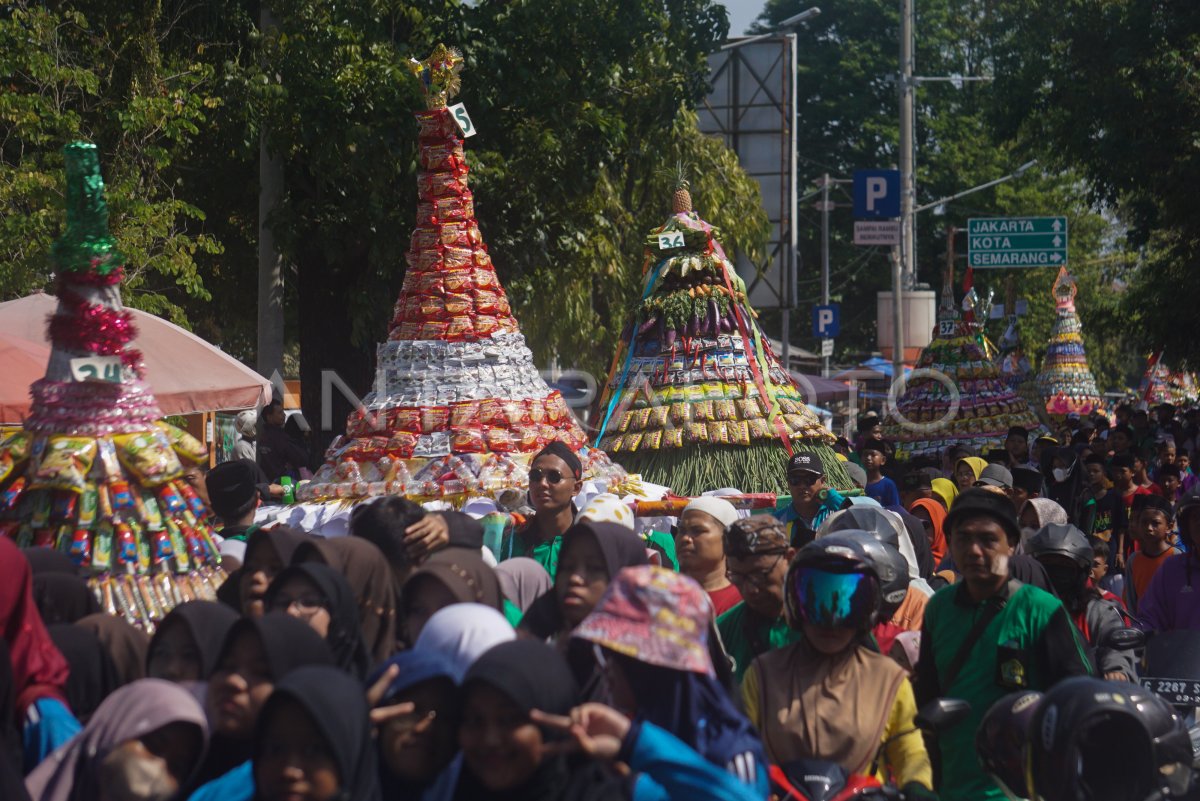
{"points": [[439, 75]]}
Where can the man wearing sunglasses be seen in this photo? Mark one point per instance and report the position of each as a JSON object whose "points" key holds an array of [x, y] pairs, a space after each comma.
{"points": [[812, 501], [555, 478]]}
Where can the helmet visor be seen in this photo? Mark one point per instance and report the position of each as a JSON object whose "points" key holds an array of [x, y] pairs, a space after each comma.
{"points": [[836, 600]]}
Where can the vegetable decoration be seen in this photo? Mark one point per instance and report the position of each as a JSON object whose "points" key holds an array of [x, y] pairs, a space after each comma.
{"points": [[696, 399]]}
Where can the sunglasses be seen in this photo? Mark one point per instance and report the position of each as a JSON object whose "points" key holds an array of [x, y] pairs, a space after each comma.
{"points": [[551, 476], [803, 479]]}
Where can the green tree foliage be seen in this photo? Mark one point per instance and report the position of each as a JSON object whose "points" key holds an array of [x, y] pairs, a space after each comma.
{"points": [[1110, 87], [69, 74], [849, 112]]}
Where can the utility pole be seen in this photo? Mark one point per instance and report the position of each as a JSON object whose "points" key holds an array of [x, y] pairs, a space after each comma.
{"points": [[903, 257], [825, 208], [789, 261], [270, 265]]}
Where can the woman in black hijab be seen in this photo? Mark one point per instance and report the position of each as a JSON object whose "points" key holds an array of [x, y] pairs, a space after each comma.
{"points": [[592, 554], [322, 598], [93, 674], [268, 552], [504, 761], [258, 653], [188, 641], [61, 594], [315, 732]]}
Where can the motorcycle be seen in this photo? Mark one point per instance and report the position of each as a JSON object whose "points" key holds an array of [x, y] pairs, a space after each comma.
{"points": [[819, 780]]}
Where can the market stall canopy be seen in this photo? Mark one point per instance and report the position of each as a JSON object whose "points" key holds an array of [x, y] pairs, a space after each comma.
{"points": [[186, 374], [822, 389]]}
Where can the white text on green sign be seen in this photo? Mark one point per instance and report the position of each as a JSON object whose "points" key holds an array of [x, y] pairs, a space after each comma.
{"points": [[1017, 242]]}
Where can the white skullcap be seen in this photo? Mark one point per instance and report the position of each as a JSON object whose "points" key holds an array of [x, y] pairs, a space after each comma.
{"points": [[719, 508]]}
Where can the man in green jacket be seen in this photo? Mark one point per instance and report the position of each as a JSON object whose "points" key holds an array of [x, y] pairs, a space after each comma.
{"points": [[987, 636], [757, 555]]}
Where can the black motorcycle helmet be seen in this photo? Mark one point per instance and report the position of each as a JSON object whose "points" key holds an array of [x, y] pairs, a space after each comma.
{"points": [[1061, 539], [1066, 554], [890, 566], [1002, 741], [1095, 740], [833, 582]]}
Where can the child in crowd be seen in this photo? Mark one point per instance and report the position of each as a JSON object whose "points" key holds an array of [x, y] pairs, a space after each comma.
{"points": [[1152, 523], [1110, 521], [1169, 482], [1122, 474], [874, 456], [1112, 583], [1141, 473]]}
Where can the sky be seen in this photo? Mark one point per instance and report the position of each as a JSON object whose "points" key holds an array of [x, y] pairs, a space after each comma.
{"points": [[742, 13]]}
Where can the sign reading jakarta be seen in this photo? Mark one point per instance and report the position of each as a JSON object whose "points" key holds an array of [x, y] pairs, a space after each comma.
{"points": [[1017, 242]]}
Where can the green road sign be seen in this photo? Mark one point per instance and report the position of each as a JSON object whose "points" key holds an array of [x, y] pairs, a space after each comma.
{"points": [[1017, 242]]}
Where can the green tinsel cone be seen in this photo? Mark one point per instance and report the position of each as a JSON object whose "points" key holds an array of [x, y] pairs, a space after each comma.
{"points": [[86, 245]]}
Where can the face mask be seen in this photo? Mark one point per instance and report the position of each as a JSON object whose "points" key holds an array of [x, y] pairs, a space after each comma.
{"points": [[127, 776], [1061, 473]]}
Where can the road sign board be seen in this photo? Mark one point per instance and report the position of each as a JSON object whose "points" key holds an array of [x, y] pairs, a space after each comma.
{"points": [[826, 321], [881, 232], [1017, 242], [876, 194], [826, 347]]}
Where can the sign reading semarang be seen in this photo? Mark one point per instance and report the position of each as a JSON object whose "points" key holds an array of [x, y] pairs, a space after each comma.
{"points": [[1017, 242]]}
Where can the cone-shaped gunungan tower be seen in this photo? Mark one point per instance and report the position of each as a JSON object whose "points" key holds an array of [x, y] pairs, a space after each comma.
{"points": [[1013, 363], [458, 407], [696, 399], [956, 396], [93, 471], [1065, 381]]}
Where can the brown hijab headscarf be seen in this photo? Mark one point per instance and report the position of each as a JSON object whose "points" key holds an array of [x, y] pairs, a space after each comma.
{"points": [[367, 571], [125, 644], [468, 578]]}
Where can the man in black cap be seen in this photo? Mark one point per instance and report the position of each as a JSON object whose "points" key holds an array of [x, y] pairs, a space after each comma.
{"points": [[1026, 483], [812, 501], [988, 635], [233, 489], [1017, 445], [915, 485]]}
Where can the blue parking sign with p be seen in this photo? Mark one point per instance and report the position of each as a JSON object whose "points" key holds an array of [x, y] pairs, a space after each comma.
{"points": [[825, 321], [876, 194]]}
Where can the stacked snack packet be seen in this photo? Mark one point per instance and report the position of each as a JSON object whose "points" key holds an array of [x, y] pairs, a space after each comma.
{"points": [[94, 471], [458, 408]]}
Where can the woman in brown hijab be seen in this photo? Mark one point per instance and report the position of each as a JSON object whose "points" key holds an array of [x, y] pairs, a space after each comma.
{"points": [[450, 576], [125, 644], [367, 571]]}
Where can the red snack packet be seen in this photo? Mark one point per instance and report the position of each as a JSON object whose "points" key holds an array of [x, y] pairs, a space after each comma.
{"points": [[491, 413], [464, 413], [434, 418], [433, 329], [457, 280], [467, 439], [535, 410], [486, 326], [406, 419], [515, 413], [486, 302], [402, 444], [499, 440], [460, 327]]}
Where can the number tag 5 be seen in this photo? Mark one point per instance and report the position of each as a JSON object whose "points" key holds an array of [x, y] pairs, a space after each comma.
{"points": [[463, 120]]}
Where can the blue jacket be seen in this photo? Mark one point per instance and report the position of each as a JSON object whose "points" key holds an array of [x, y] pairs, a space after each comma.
{"points": [[667, 769]]}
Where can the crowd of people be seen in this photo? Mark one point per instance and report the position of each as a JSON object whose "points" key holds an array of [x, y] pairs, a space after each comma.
{"points": [[597, 656]]}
